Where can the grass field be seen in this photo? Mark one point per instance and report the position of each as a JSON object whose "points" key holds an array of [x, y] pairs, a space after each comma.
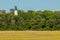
{"points": [[29, 35]]}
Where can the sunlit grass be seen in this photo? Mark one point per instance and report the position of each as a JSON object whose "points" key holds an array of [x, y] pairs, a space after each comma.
{"points": [[29, 35]]}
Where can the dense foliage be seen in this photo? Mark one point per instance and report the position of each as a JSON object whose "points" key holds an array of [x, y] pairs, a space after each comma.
{"points": [[30, 20]]}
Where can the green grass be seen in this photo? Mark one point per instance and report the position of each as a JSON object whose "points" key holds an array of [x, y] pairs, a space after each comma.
{"points": [[29, 35]]}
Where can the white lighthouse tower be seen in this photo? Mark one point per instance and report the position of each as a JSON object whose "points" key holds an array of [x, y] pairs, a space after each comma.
{"points": [[15, 11]]}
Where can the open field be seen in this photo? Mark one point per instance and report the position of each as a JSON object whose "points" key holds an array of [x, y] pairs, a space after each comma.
{"points": [[29, 35]]}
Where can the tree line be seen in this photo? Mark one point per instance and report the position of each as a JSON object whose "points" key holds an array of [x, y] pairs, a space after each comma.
{"points": [[30, 20]]}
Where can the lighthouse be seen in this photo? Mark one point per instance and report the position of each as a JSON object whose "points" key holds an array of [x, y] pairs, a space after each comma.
{"points": [[15, 11]]}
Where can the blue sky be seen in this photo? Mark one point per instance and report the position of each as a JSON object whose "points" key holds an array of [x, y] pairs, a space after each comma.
{"points": [[30, 4]]}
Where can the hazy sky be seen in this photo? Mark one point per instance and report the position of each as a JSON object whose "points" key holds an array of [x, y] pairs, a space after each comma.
{"points": [[30, 4]]}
